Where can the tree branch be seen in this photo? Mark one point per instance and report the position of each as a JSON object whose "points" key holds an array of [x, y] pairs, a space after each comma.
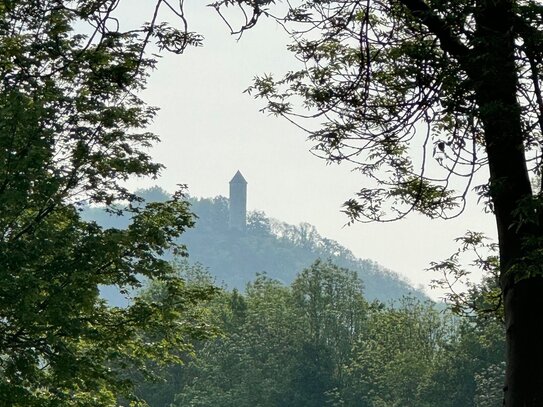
{"points": [[449, 42]]}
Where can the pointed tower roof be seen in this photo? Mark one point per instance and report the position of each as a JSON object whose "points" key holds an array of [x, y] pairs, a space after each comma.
{"points": [[238, 179]]}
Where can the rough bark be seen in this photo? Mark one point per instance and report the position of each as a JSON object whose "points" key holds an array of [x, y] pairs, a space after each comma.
{"points": [[496, 87]]}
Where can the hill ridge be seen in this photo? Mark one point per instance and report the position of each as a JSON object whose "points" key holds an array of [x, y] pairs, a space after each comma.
{"points": [[279, 249]]}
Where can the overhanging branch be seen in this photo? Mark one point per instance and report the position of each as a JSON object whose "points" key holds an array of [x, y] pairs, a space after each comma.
{"points": [[449, 42]]}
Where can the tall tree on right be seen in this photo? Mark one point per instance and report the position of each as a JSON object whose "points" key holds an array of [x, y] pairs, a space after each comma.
{"points": [[423, 95]]}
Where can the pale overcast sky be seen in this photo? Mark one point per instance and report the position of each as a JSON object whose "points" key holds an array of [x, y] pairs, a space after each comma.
{"points": [[210, 129]]}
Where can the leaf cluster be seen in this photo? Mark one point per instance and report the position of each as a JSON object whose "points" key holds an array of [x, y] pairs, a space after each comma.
{"points": [[72, 131], [392, 88]]}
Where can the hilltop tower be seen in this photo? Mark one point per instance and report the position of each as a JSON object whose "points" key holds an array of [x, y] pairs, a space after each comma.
{"points": [[238, 202]]}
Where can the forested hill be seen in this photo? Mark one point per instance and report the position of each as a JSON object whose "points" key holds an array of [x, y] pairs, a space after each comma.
{"points": [[276, 248], [267, 246]]}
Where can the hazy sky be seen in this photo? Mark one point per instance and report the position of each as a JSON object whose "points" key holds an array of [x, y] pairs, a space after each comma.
{"points": [[210, 129]]}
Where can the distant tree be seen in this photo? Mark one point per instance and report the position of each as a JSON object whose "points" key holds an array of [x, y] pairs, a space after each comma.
{"points": [[319, 343], [72, 130], [481, 346], [212, 213], [160, 381], [395, 82], [281, 345], [332, 307], [252, 364], [395, 355], [333, 314], [258, 224], [153, 194], [488, 385]]}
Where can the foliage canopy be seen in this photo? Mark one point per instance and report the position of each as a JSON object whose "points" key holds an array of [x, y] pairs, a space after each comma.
{"points": [[395, 87], [319, 342], [72, 129]]}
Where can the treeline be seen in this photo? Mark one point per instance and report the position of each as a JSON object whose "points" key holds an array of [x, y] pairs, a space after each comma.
{"points": [[268, 245], [320, 342], [277, 248]]}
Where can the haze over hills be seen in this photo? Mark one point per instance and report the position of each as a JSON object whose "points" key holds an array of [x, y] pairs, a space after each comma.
{"points": [[279, 249], [255, 243]]}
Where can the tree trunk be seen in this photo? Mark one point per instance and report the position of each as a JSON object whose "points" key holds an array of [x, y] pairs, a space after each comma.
{"points": [[524, 314], [496, 80]]}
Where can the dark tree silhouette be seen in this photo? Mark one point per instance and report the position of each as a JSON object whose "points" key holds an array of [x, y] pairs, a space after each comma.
{"points": [[395, 82]]}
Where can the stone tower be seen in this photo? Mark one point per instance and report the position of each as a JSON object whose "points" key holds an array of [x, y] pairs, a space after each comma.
{"points": [[238, 202]]}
